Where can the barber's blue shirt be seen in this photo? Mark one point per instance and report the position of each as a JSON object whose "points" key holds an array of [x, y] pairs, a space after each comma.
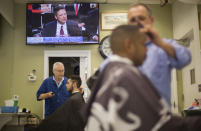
{"points": [[158, 64], [61, 94]]}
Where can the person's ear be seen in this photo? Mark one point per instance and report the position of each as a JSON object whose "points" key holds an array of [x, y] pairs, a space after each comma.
{"points": [[152, 20], [55, 17], [127, 45], [53, 71], [74, 85]]}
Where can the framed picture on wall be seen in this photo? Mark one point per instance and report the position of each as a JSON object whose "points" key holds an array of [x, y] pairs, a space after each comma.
{"points": [[110, 20]]}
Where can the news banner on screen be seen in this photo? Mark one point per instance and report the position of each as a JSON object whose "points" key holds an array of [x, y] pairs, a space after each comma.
{"points": [[70, 23]]}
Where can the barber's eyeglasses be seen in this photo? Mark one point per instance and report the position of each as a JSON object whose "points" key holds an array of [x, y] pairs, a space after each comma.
{"points": [[133, 20]]}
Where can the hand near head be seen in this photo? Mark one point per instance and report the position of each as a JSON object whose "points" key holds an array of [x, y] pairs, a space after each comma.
{"points": [[152, 35]]}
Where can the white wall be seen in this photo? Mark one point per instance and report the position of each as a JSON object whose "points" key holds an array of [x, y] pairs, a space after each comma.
{"points": [[185, 19]]}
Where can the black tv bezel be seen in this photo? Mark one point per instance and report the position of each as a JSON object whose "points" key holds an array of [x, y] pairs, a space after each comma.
{"points": [[64, 43]]}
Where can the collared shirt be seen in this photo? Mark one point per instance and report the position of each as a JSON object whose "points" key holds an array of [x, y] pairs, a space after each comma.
{"points": [[59, 28], [158, 65], [78, 6], [58, 85], [75, 92]]}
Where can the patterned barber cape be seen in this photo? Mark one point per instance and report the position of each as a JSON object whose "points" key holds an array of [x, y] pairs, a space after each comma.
{"points": [[125, 101]]}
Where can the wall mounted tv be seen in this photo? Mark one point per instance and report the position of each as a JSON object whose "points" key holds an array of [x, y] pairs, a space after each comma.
{"points": [[66, 23]]}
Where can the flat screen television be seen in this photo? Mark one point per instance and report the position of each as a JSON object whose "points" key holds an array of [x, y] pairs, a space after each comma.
{"points": [[66, 23]]}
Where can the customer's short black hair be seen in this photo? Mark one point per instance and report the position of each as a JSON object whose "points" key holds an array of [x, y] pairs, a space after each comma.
{"points": [[120, 34], [77, 79]]}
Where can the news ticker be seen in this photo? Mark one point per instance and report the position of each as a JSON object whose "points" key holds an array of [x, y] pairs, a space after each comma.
{"points": [[77, 39]]}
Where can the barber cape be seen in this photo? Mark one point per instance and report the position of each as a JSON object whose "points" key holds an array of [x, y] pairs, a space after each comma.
{"points": [[124, 100]]}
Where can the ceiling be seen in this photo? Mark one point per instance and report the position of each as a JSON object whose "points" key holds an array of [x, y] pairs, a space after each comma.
{"points": [[99, 1], [113, 1]]}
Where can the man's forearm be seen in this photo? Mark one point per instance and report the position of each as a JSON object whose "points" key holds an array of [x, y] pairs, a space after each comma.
{"points": [[46, 95], [168, 48], [43, 96]]}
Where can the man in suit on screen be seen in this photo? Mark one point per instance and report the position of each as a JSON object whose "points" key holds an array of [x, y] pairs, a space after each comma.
{"points": [[61, 27]]}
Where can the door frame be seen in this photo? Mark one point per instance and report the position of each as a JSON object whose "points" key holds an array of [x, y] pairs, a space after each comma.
{"points": [[65, 53]]}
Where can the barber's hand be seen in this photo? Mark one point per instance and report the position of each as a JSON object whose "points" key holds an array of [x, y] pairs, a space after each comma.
{"points": [[50, 94], [152, 35]]}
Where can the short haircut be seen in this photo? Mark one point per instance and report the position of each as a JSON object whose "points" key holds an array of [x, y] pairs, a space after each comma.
{"points": [[77, 79], [145, 6], [120, 34], [56, 64], [57, 8]]}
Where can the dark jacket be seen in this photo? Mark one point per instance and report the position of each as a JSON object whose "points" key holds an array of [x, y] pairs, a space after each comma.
{"points": [[49, 29], [68, 117]]}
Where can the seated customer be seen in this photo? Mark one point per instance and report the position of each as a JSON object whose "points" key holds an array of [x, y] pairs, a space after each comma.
{"points": [[123, 99], [68, 117]]}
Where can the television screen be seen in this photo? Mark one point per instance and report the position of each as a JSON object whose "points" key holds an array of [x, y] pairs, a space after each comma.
{"points": [[70, 23]]}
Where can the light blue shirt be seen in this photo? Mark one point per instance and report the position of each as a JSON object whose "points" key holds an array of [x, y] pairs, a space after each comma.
{"points": [[158, 65]]}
